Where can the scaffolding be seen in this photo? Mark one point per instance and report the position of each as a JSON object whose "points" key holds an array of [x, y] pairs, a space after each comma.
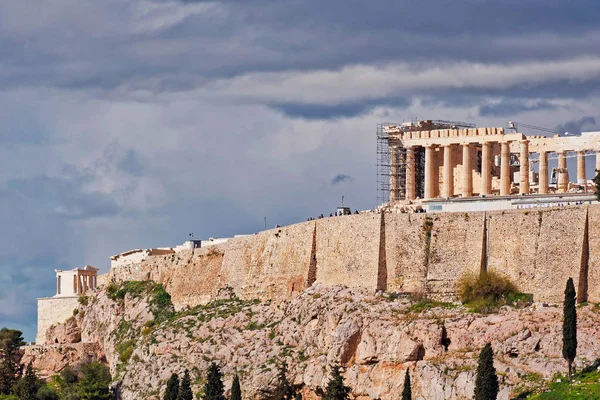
{"points": [[391, 165]]}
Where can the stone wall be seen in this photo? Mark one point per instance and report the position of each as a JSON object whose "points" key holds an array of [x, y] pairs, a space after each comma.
{"points": [[537, 249], [51, 311]]}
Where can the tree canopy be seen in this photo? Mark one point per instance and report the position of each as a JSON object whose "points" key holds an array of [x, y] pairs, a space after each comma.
{"points": [[10, 358]]}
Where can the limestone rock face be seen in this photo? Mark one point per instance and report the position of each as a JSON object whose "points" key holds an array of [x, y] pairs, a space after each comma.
{"points": [[68, 332], [53, 358], [374, 338]]}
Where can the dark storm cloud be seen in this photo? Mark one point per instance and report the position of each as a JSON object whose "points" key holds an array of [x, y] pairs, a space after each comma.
{"points": [[342, 110], [584, 124]]}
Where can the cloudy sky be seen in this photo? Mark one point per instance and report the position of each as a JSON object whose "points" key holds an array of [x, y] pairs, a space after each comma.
{"points": [[127, 124]]}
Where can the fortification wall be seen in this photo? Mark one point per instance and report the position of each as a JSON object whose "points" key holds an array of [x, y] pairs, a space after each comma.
{"points": [[347, 250], [537, 249], [405, 252], [52, 311], [455, 248]]}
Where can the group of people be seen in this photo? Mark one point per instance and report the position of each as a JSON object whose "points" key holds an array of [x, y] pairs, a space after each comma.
{"points": [[334, 214]]}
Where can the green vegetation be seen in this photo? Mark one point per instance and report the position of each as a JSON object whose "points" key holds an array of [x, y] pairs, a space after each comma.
{"points": [[236, 390], [213, 389], [159, 300], [185, 389], [426, 304], [27, 387], [93, 382], [569, 350], [10, 359], [285, 390], [583, 386], [406, 390], [485, 292], [486, 383], [172, 388], [336, 390]]}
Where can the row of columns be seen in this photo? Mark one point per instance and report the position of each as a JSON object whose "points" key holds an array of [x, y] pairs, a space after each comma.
{"points": [[486, 171], [81, 283]]}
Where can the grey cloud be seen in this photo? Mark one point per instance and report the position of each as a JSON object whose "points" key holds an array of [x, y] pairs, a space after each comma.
{"points": [[63, 197], [586, 123], [341, 178], [512, 107], [341, 110], [130, 164]]}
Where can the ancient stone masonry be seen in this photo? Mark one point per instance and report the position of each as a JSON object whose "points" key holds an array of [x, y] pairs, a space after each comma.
{"points": [[480, 161], [70, 284], [537, 249]]}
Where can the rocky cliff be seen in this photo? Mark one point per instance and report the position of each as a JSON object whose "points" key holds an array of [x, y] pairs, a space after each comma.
{"points": [[374, 337]]}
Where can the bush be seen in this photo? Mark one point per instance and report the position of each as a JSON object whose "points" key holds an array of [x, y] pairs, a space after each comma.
{"points": [[485, 292]]}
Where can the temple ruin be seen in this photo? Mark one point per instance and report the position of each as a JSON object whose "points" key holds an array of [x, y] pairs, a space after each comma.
{"points": [[441, 159]]}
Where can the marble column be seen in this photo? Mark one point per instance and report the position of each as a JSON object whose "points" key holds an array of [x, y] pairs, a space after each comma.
{"points": [[524, 168], [486, 168], [581, 178], [429, 165], [75, 287], [563, 173], [467, 173], [393, 174], [598, 161], [448, 172], [543, 183], [505, 169], [410, 174], [58, 285]]}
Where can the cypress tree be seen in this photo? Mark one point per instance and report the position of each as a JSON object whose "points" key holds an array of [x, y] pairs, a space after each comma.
{"points": [[406, 391], [569, 325], [285, 390], [486, 383], [213, 389], [236, 390], [172, 388], [185, 389], [336, 390]]}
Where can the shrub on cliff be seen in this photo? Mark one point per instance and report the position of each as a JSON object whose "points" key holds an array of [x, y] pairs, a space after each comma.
{"points": [[336, 390], [486, 383], [569, 325], [485, 291], [94, 381]]}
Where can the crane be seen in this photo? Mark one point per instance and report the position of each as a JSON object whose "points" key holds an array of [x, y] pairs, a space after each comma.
{"points": [[514, 126]]}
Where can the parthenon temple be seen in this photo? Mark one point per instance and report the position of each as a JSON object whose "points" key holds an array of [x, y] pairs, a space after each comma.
{"points": [[435, 160]]}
